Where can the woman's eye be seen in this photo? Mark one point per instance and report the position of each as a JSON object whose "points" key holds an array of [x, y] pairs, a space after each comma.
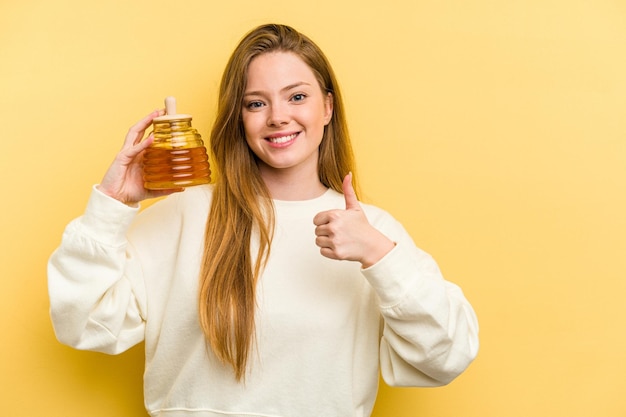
{"points": [[254, 105], [298, 97]]}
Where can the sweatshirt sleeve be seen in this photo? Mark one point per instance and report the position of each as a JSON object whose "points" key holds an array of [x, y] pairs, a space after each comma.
{"points": [[97, 296], [430, 332]]}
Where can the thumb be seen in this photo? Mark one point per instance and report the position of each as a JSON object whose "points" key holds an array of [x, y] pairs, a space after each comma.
{"points": [[352, 202]]}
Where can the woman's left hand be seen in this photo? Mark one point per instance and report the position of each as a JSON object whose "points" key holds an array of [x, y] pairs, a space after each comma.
{"points": [[347, 235]]}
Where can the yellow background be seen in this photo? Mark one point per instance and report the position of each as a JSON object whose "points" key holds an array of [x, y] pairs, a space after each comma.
{"points": [[494, 130]]}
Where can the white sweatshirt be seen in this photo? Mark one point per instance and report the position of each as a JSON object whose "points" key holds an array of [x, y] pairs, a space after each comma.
{"points": [[323, 327]]}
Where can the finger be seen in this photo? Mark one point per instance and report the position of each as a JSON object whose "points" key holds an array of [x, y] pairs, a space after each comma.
{"points": [[136, 132], [321, 218], [145, 143], [322, 230], [325, 246], [352, 203], [129, 153], [328, 253], [322, 242]]}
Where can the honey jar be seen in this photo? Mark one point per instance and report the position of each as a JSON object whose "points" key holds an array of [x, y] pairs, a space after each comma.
{"points": [[177, 157]]}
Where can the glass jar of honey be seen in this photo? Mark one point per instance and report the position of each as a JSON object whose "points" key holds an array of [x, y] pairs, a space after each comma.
{"points": [[177, 157]]}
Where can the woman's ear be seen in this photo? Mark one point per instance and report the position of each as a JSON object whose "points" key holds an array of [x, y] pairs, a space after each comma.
{"points": [[328, 108]]}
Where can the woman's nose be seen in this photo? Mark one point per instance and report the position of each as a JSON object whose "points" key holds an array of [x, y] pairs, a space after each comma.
{"points": [[278, 115]]}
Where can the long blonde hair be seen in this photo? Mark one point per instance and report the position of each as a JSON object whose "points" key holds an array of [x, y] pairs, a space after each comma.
{"points": [[241, 202]]}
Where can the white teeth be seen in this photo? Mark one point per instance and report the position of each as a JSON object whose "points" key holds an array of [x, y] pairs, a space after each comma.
{"points": [[283, 139]]}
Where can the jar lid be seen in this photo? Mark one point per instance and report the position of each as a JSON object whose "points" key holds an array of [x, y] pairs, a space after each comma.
{"points": [[170, 111]]}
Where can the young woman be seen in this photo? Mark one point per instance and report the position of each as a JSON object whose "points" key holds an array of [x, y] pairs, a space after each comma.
{"points": [[272, 292]]}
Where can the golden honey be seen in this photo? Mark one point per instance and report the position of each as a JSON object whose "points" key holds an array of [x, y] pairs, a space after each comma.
{"points": [[177, 157]]}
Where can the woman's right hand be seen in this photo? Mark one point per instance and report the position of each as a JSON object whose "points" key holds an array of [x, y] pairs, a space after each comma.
{"points": [[123, 180]]}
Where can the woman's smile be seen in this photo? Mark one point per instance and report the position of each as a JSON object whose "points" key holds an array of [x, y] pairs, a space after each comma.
{"points": [[281, 141]]}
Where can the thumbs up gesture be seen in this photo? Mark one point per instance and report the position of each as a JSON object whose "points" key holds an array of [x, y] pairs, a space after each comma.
{"points": [[347, 235]]}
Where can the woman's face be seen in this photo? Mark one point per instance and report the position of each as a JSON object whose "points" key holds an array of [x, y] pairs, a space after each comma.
{"points": [[284, 113]]}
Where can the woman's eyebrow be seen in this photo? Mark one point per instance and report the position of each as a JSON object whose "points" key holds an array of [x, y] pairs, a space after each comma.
{"points": [[286, 88]]}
